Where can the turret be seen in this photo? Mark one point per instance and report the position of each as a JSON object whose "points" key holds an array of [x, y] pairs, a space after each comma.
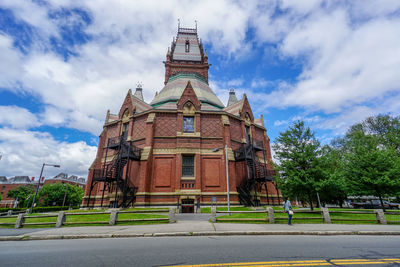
{"points": [[138, 93], [232, 98]]}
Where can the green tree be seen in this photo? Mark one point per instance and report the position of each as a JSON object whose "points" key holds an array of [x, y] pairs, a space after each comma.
{"points": [[1, 197], [370, 167], [385, 127], [297, 151], [56, 193], [332, 187], [24, 194]]}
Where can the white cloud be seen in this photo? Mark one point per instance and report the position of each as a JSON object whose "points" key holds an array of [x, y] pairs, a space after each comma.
{"points": [[280, 122], [32, 13], [235, 82], [341, 123], [344, 64], [259, 82], [17, 117], [10, 63], [24, 152]]}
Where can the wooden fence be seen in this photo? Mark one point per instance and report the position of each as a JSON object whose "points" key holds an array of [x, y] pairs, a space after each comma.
{"points": [[325, 216], [113, 219]]}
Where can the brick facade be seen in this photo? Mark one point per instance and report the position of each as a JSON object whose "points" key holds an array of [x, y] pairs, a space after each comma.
{"points": [[159, 132]]}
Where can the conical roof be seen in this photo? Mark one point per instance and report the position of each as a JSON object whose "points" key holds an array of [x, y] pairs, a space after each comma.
{"points": [[173, 90]]}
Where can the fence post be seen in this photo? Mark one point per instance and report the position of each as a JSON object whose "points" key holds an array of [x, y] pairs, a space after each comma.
{"points": [[325, 215], [113, 217], [20, 221], [9, 213], [213, 214], [60, 219], [171, 215], [271, 216], [380, 216]]}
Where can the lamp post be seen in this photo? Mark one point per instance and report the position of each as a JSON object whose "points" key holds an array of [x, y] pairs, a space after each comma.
{"points": [[38, 184], [227, 174]]}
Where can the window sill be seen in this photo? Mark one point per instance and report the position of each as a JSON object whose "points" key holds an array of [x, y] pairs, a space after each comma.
{"points": [[188, 178]]}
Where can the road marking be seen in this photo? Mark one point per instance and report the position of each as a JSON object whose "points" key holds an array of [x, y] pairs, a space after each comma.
{"points": [[297, 263]]}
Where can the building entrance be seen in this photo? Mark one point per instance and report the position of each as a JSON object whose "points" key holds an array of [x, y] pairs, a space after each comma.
{"points": [[187, 205]]}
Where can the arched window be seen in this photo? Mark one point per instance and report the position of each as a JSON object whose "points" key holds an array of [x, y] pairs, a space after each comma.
{"points": [[187, 46]]}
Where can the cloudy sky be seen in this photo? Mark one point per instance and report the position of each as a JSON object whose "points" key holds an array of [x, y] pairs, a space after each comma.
{"points": [[63, 63]]}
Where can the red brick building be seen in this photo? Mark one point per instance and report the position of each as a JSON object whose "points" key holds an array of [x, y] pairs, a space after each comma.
{"points": [[164, 152]]}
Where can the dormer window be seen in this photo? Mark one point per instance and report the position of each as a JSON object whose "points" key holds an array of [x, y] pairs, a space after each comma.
{"points": [[187, 46]]}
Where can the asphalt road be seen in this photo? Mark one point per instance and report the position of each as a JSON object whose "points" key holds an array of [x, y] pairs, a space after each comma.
{"points": [[166, 251]]}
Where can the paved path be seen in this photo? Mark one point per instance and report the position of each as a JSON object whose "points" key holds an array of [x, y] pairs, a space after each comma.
{"points": [[197, 225]]}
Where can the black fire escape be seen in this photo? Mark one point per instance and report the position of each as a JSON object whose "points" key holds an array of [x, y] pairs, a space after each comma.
{"points": [[112, 173], [257, 173]]}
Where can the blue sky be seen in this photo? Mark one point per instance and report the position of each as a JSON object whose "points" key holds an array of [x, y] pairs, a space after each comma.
{"points": [[64, 63]]}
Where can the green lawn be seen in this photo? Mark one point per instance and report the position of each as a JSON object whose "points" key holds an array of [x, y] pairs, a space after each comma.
{"points": [[300, 215], [84, 219]]}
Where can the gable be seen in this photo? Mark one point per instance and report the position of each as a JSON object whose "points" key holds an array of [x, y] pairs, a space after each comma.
{"points": [[188, 95]]}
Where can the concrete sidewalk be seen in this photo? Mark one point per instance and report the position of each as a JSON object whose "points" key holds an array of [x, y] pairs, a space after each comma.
{"points": [[197, 226]]}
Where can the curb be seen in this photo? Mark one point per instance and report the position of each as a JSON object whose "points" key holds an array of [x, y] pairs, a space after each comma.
{"points": [[228, 233]]}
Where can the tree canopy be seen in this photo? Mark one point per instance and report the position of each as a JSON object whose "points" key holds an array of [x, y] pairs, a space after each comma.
{"points": [[371, 163], [297, 151], [60, 194], [24, 195], [364, 162]]}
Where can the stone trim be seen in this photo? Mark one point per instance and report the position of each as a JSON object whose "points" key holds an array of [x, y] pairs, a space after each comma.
{"points": [[151, 117], [145, 153]]}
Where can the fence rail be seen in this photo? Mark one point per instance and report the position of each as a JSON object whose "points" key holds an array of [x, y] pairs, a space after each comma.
{"points": [[113, 219], [380, 216]]}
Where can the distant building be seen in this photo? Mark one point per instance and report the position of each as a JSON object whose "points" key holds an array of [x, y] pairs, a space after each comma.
{"points": [[7, 184], [63, 178], [170, 152]]}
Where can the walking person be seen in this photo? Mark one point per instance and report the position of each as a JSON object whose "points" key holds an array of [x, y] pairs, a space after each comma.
{"points": [[288, 208]]}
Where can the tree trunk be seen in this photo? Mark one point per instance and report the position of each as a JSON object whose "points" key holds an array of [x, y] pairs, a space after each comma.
{"points": [[380, 199], [310, 200]]}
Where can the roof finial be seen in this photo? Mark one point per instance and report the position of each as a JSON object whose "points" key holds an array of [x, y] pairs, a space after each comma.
{"points": [[179, 24], [138, 92], [196, 24]]}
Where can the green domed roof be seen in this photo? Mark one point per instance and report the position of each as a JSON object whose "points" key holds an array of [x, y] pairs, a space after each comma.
{"points": [[173, 90]]}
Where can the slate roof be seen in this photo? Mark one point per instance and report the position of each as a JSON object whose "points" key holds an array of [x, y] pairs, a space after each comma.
{"points": [[179, 51], [235, 108], [173, 90], [19, 180], [232, 98]]}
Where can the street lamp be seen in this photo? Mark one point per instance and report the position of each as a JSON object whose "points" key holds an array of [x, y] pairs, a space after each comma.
{"points": [[40, 177], [227, 174]]}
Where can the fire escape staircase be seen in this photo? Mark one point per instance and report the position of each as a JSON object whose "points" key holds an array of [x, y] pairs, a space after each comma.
{"points": [[257, 173], [114, 174]]}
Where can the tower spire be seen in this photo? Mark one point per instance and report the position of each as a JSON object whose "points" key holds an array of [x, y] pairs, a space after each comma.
{"points": [[232, 97], [138, 93]]}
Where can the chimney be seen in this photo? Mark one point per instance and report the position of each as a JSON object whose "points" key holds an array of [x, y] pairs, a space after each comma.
{"points": [[33, 179], [138, 92], [232, 98]]}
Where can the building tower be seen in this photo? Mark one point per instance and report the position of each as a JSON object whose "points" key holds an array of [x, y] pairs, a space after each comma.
{"points": [[163, 153]]}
